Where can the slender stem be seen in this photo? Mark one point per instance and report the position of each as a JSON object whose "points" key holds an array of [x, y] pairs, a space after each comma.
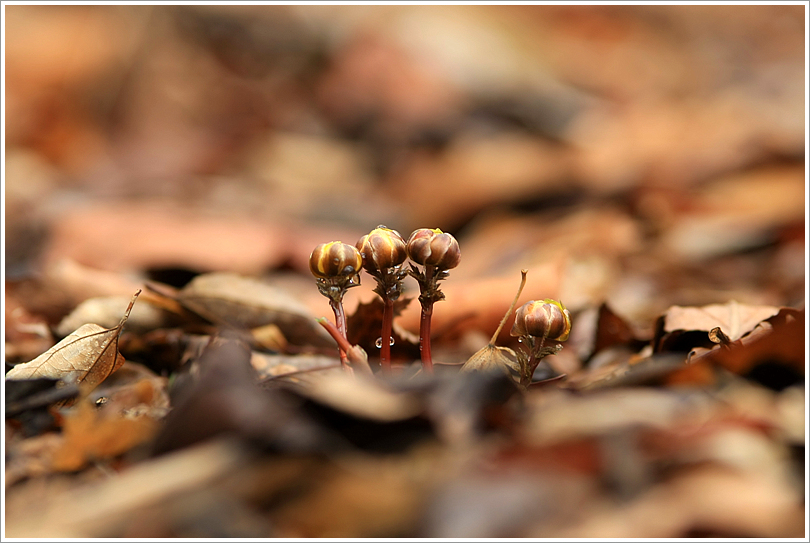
{"points": [[340, 322], [387, 324], [511, 307], [424, 336], [343, 345], [342, 342]]}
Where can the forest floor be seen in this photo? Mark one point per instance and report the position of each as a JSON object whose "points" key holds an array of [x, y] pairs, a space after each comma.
{"points": [[644, 164]]}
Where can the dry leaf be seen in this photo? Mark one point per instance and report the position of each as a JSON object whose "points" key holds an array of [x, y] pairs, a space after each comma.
{"points": [[733, 318], [778, 342], [267, 365], [90, 434], [269, 336], [364, 398], [248, 303], [492, 357], [88, 356], [106, 311]]}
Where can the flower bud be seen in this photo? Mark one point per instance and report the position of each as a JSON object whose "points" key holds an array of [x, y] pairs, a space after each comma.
{"points": [[432, 247], [543, 319], [382, 248], [334, 259]]}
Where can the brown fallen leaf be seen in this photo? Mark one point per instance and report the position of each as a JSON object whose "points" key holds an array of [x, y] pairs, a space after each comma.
{"points": [[733, 319], [90, 434], [772, 354], [780, 337], [88, 356], [245, 302], [106, 310], [274, 365]]}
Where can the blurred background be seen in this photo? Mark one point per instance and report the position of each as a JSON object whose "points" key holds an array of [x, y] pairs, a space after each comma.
{"points": [[640, 155]]}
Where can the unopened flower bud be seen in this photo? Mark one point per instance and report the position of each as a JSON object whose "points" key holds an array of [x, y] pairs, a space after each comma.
{"points": [[334, 259], [543, 319], [432, 247], [382, 248]]}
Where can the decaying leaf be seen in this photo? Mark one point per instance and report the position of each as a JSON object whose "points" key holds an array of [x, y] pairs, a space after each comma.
{"points": [[244, 302], [88, 356]]}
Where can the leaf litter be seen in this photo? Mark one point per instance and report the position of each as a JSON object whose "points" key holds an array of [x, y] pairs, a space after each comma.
{"points": [[87, 356], [645, 200]]}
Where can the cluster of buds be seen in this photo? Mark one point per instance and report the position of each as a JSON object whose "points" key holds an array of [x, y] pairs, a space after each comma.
{"points": [[382, 254], [541, 326]]}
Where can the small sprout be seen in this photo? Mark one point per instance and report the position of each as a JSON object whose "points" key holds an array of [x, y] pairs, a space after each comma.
{"points": [[541, 327], [437, 252], [383, 251], [336, 266]]}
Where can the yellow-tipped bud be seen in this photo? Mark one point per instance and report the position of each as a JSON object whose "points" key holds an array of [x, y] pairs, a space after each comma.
{"points": [[543, 319], [382, 248], [334, 259], [432, 247]]}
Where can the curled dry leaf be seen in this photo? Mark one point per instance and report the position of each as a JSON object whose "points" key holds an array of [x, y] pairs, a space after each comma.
{"points": [[248, 303], [88, 356]]}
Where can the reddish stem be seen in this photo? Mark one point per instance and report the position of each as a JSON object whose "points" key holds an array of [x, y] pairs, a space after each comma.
{"points": [[387, 324], [342, 342], [424, 337], [340, 322]]}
